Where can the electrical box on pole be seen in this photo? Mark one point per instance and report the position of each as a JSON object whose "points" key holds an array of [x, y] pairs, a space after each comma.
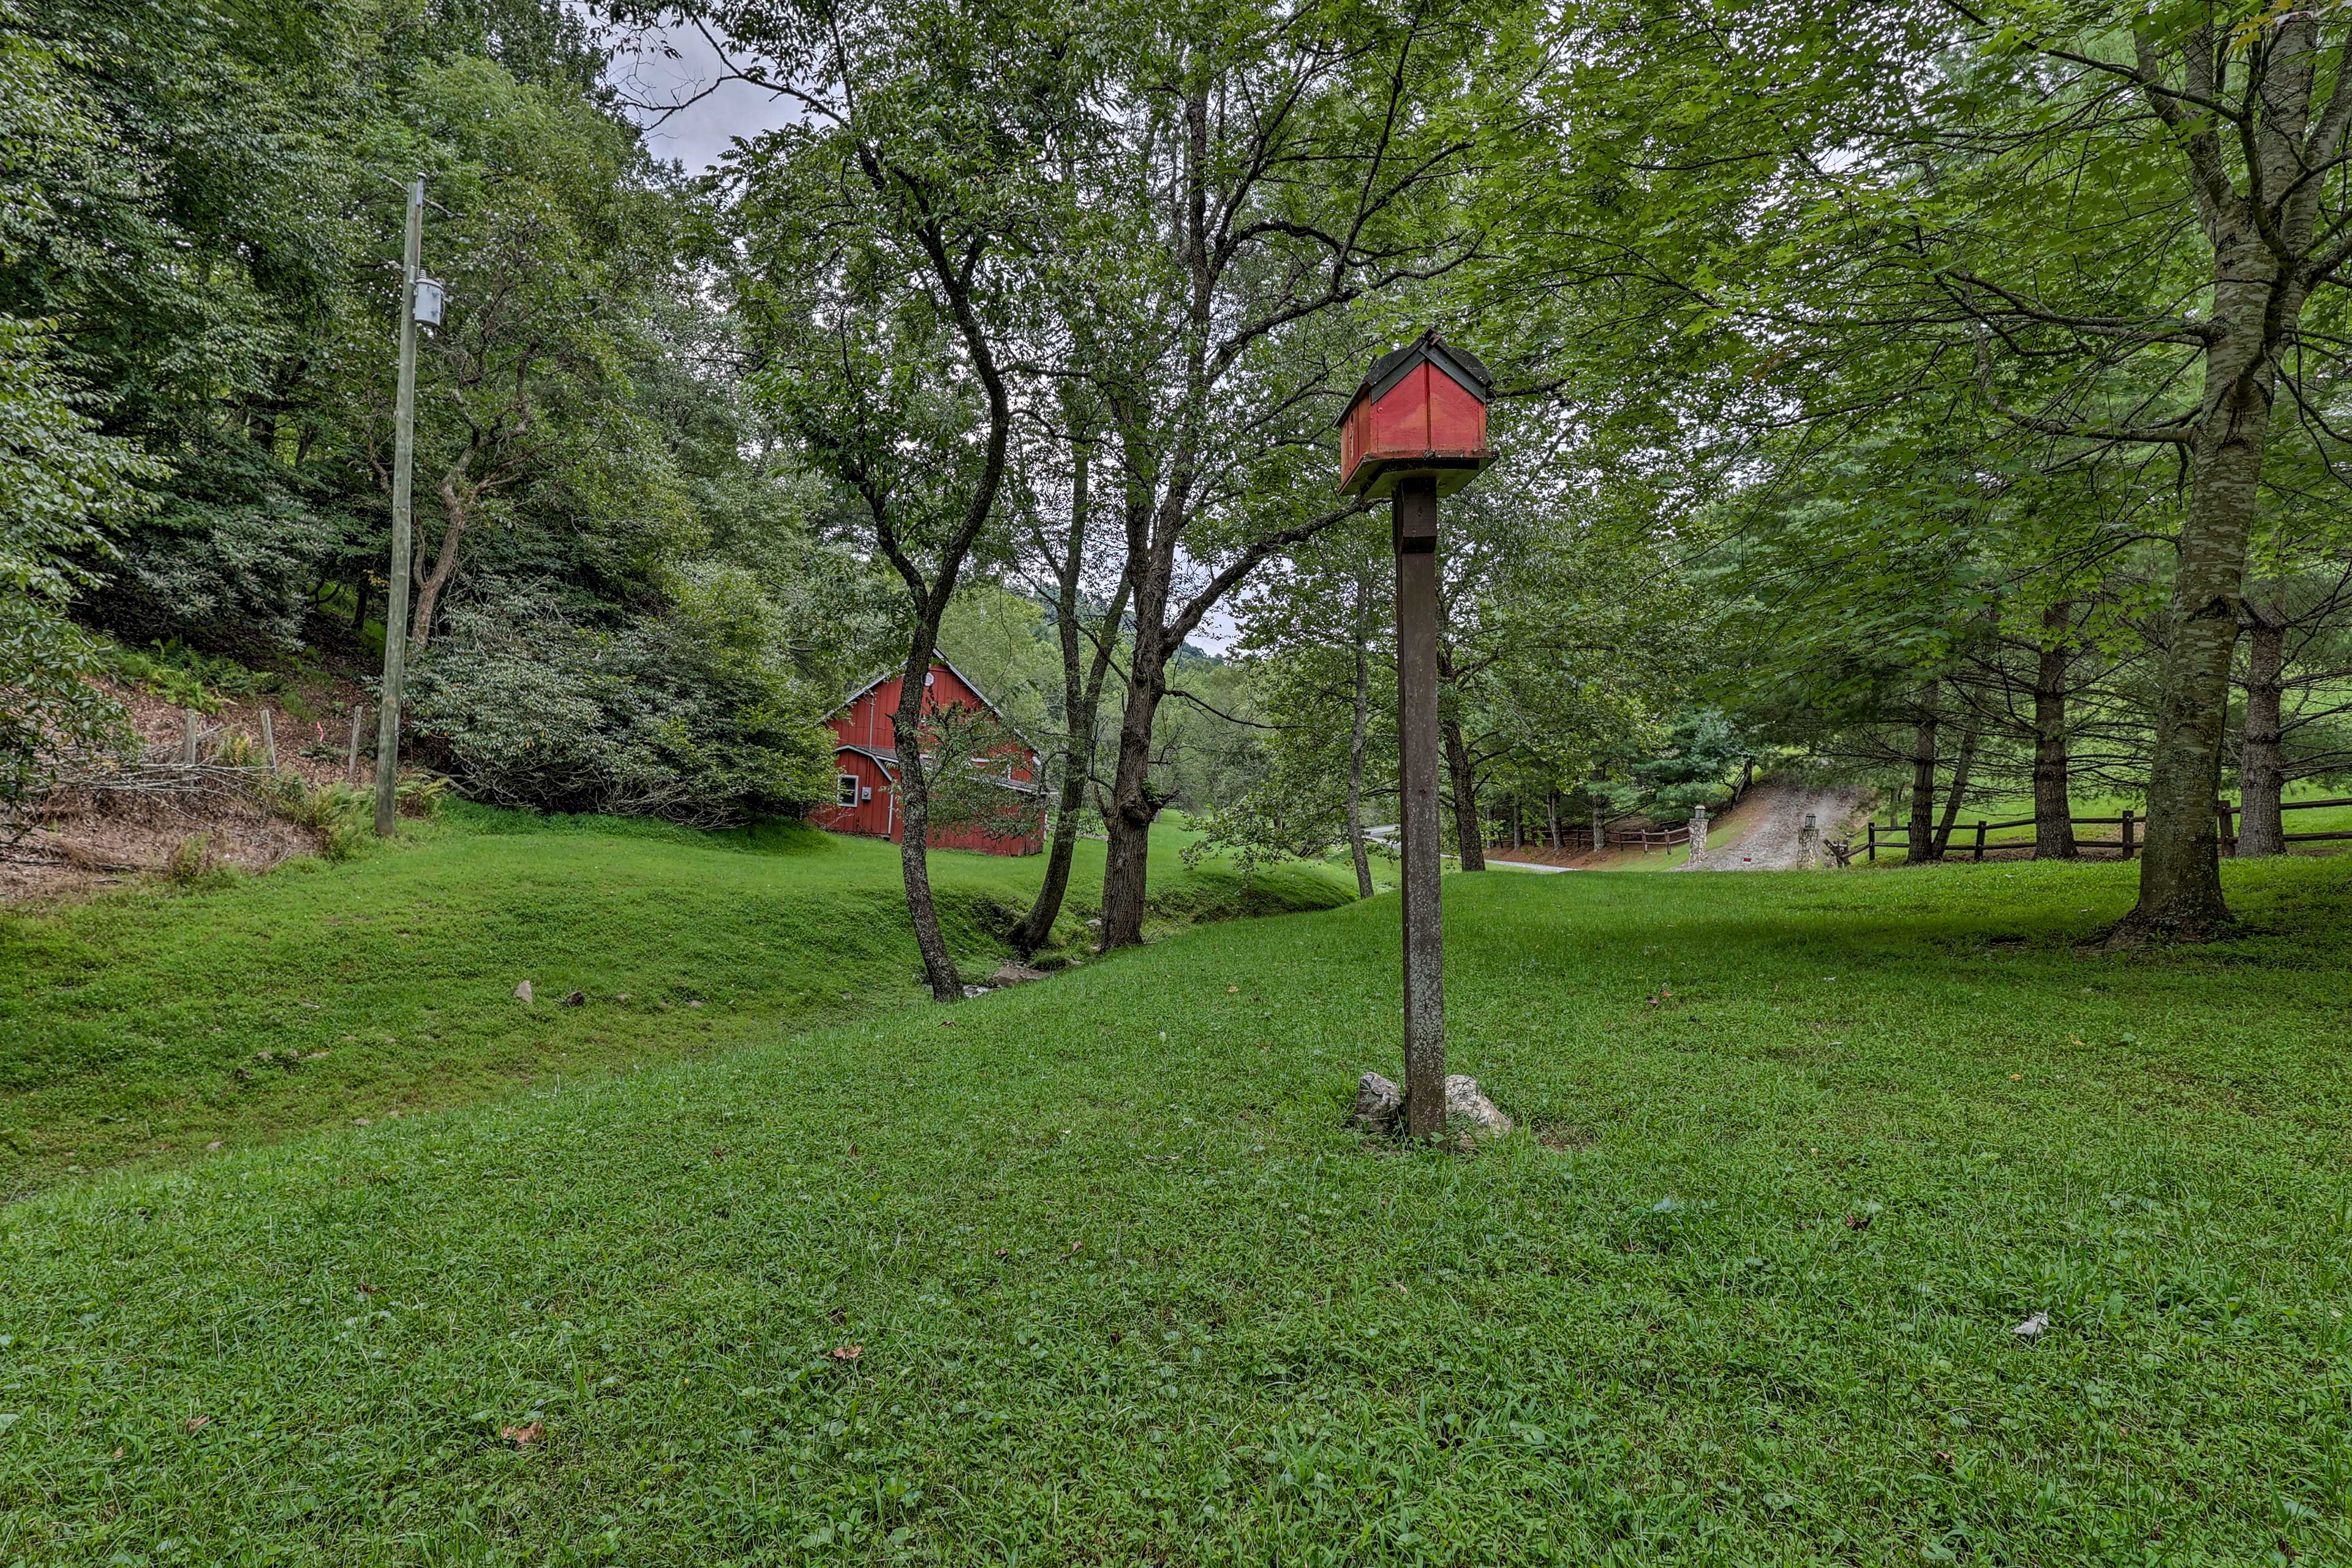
{"points": [[1416, 430]]}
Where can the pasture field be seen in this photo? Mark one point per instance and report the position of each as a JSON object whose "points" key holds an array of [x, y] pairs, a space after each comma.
{"points": [[1090, 1270]]}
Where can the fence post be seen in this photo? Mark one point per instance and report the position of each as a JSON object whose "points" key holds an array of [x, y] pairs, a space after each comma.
{"points": [[1980, 833], [2127, 833], [268, 741], [2229, 838], [1873, 850], [188, 722], [351, 759]]}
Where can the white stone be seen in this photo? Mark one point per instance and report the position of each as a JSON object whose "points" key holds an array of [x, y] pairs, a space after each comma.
{"points": [[1465, 1102], [1379, 1104]]}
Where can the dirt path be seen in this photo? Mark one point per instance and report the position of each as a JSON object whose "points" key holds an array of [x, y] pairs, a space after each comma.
{"points": [[1778, 814]]}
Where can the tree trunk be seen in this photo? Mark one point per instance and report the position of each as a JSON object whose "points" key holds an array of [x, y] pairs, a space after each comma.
{"points": [[1081, 706], [444, 567], [1551, 816], [1921, 840], [2262, 766], [360, 605], [2181, 874], [2054, 811], [1473, 842], [1356, 849], [1133, 805], [915, 812], [1957, 792]]}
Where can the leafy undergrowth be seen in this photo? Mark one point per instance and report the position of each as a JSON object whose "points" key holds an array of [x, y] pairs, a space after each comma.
{"points": [[149, 1025], [1089, 1270]]}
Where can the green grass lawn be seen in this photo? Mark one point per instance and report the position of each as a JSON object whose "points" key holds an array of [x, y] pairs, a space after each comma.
{"points": [[1090, 1271], [151, 1023]]}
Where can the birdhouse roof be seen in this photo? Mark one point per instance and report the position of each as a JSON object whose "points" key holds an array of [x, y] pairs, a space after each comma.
{"points": [[1463, 367]]}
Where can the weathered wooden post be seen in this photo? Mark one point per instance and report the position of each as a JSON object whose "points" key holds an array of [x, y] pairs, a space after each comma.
{"points": [[2127, 833], [1697, 832], [1414, 430]]}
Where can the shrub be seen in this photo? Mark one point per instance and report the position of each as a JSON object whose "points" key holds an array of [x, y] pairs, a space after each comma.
{"points": [[61, 483], [692, 713], [338, 812]]}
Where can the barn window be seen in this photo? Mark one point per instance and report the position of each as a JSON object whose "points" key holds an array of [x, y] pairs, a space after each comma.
{"points": [[844, 789]]}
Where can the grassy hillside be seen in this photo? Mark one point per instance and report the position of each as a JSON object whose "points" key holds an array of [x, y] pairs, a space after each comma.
{"points": [[152, 1024], [1090, 1271]]}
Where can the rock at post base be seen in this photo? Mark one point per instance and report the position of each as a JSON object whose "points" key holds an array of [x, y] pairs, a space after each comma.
{"points": [[522, 993], [1379, 1104], [1379, 1107], [1465, 1102]]}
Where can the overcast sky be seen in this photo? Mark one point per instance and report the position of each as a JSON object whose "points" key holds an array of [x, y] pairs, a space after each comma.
{"points": [[698, 133]]}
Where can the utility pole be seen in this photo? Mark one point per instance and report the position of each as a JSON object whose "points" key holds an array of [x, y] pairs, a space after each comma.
{"points": [[403, 457]]}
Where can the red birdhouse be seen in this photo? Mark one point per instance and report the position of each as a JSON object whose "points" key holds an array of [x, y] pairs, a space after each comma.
{"points": [[1420, 411]]}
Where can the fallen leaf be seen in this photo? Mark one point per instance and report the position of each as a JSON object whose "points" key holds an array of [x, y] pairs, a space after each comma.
{"points": [[213, 1144], [2033, 1328], [366, 1289], [1075, 1245], [848, 1352], [1857, 1222], [198, 1423], [1000, 1252], [523, 1436], [1233, 990], [1944, 1457], [2017, 1077]]}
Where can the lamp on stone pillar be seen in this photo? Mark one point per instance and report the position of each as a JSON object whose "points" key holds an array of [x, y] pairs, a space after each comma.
{"points": [[1416, 430]]}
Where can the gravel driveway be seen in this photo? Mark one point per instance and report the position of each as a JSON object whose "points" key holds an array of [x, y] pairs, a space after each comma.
{"points": [[1771, 844]]}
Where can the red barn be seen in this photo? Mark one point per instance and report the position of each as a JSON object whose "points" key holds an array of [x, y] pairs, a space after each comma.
{"points": [[865, 770]]}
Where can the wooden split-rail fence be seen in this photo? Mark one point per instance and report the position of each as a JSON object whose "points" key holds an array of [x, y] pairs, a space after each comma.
{"points": [[2133, 824], [1572, 840]]}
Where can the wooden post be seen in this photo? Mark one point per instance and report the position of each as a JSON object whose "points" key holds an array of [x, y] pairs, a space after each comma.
{"points": [[2127, 833], [352, 761], [1874, 841], [2229, 834], [1980, 833], [1415, 524], [188, 722], [268, 742]]}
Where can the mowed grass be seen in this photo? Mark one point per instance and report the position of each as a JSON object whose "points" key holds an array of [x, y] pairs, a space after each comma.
{"points": [[151, 1024], [1090, 1270]]}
